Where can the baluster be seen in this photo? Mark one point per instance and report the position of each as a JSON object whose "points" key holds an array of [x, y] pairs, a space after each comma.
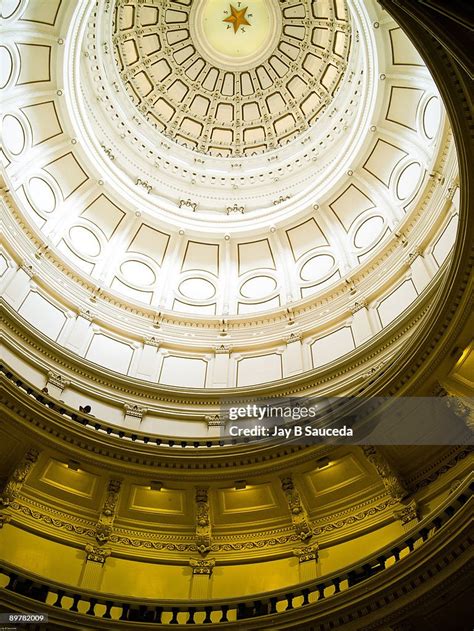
{"points": [[382, 560], [337, 585], [174, 619], [396, 553], [125, 610], [12, 581], [225, 609], [273, 604], [259, 608], [92, 604], [424, 532], [305, 593], [207, 619], [59, 598], [108, 606], [191, 611], [437, 522], [289, 600], [320, 591], [158, 614], [75, 602]]}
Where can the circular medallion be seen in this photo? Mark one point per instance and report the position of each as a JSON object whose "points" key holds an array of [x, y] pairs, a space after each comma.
{"points": [[235, 35]]}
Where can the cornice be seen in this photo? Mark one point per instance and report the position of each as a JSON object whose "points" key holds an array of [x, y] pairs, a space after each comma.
{"points": [[381, 345], [430, 561]]}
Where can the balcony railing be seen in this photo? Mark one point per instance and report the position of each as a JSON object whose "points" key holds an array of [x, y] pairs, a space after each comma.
{"points": [[46, 595]]}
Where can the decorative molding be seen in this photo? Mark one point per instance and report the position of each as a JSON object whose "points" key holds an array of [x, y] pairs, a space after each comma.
{"points": [[86, 314], [299, 518], [307, 553], [235, 209], [412, 255], [456, 405], [97, 554], [294, 336], [144, 184], [203, 521], [407, 513], [57, 380], [188, 203], [106, 519], [392, 481], [222, 349], [373, 370], [215, 421], [18, 477], [27, 268], [136, 411], [202, 566], [4, 519], [152, 341], [358, 305]]}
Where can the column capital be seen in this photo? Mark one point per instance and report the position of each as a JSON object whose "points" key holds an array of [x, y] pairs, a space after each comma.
{"points": [[307, 553], [202, 566], [96, 553], [137, 411], [222, 349]]}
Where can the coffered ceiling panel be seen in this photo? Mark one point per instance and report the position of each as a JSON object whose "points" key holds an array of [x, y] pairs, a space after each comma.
{"points": [[129, 134]]}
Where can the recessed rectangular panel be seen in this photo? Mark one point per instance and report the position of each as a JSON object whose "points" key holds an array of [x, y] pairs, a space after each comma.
{"points": [[259, 369], [105, 351], [67, 172], [42, 315], [44, 121], [35, 60], [350, 204], [403, 106], [41, 11], [305, 237], [396, 302], [201, 256], [251, 499], [445, 242], [255, 255], [145, 499], [60, 476], [151, 242], [382, 160], [104, 214], [183, 371], [330, 347], [403, 51]]}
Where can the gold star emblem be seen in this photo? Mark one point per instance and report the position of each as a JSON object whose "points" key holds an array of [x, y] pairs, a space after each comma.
{"points": [[237, 18]]}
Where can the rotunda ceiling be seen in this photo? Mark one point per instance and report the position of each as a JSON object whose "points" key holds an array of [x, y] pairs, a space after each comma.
{"points": [[232, 80], [196, 162]]}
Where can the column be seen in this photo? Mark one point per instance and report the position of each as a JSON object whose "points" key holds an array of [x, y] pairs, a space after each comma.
{"points": [[200, 582], [80, 333], [419, 271], [133, 415], [56, 384], [307, 557], [360, 325], [220, 371], [293, 356], [149, 360], [92, 571]]}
